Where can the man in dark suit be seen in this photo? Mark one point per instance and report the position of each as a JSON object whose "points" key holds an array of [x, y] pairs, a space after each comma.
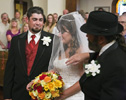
{"points": [[28, 56], [103, 32]]}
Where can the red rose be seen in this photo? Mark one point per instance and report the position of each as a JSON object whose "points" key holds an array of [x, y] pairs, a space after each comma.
{"points": [[35, 87], [42, 77], [59, 77], [39, 89]]}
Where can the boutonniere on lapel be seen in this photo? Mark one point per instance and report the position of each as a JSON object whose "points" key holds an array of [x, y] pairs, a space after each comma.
{"points": [[46, 40], [92, 69]]}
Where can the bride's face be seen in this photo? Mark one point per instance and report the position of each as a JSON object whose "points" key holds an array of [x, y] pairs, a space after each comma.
{"points": [[66, 37]]}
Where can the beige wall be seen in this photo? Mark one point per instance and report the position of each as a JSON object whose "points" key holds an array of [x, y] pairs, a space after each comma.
{"points": [[8, 7], [41, 3], [56, 6], [88, 5], [51, 6]]}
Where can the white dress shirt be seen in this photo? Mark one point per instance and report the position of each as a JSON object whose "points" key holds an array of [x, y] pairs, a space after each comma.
{"points": [[106, 47], [37, 37]]}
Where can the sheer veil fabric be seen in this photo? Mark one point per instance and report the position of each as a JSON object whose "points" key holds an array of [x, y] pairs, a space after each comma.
{"points": [[69, 41], [70, 23]]}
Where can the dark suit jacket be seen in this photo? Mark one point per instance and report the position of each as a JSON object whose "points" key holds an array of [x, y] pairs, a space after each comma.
{"points": [[16, 78], [110, 84]]}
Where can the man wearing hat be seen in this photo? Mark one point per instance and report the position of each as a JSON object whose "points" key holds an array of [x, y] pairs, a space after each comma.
{"points": [[105, 77]]}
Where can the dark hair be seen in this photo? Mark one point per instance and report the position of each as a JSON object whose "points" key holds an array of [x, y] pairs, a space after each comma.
{"points": [[59, 17], [82, 13], [47, 22], [119, 38], [3, 14], [32, 10], [69, 23], [17, 11], [100, 9], [44, 18]]}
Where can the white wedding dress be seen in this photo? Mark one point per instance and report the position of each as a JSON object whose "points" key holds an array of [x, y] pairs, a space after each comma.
{"points": [[70, 75]]}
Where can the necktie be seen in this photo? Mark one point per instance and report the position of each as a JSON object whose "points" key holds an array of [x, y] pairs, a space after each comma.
{"points": [[32, 42]]}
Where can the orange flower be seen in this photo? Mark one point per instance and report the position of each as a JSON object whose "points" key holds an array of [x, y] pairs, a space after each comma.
{"points": [[47, 79], [55, 93], [41, 95]]}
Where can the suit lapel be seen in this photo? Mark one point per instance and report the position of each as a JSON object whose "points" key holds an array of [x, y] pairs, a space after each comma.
{"points": [[21, 47], [113, 47], [40, 52]]}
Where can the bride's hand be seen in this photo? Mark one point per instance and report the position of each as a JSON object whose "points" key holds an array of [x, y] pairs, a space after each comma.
{"points": [[28, 87], [78, 58]]}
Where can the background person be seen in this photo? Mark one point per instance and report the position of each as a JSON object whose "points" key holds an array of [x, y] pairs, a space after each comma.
{"points": [[25, 28], [50, 24], [65, 11], [122, 21], [4, 26], [55, 15], [14, 30]]}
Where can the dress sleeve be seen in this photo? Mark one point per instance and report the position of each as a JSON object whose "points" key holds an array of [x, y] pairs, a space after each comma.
{"points": [[8, 32]]}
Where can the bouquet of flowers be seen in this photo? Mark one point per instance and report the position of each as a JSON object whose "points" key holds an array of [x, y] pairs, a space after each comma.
{"points": [[46, 86]]}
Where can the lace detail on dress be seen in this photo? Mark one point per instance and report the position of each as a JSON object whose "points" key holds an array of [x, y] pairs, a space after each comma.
{"points": [[70, 74]]}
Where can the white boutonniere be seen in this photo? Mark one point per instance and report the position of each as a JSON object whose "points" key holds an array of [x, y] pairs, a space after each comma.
{"points": [[46, 40], [92, 69]]}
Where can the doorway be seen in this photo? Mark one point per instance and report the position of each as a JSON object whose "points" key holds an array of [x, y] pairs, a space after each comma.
{"points": [[22, 6]]}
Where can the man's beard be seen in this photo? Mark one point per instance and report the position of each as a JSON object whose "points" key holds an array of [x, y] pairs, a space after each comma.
{"points": [[36, 30], [94, 45]]}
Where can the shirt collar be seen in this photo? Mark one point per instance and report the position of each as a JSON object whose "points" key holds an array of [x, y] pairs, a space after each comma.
{"points": [[36, 38], [106, 47]]}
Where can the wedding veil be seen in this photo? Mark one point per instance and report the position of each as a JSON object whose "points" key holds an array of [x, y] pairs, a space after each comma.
{"points": [[70, 23]]}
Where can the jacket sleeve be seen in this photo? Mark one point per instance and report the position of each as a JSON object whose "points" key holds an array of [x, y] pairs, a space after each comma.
{"points": [[81, 81], [9, 72]]}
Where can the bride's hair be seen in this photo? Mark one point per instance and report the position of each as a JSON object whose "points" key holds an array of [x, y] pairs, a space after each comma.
{"points": [[70, 23], [67, 24]]}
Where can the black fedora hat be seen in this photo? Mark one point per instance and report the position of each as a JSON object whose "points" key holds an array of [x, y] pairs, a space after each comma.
{"points": [[102, 23]]}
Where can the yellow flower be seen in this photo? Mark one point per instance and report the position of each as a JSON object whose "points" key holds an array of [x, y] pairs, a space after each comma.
{"points": [[31, 94], [58, 84], [55, 93], [51, 86], [46, 88], [48, 95]]}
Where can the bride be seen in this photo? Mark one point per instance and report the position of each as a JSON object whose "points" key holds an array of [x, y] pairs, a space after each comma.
{"points": [[68, 42]]}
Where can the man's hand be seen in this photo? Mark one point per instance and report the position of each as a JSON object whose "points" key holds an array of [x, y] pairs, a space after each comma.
{"points": [[78, 58], [7, 99]]}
